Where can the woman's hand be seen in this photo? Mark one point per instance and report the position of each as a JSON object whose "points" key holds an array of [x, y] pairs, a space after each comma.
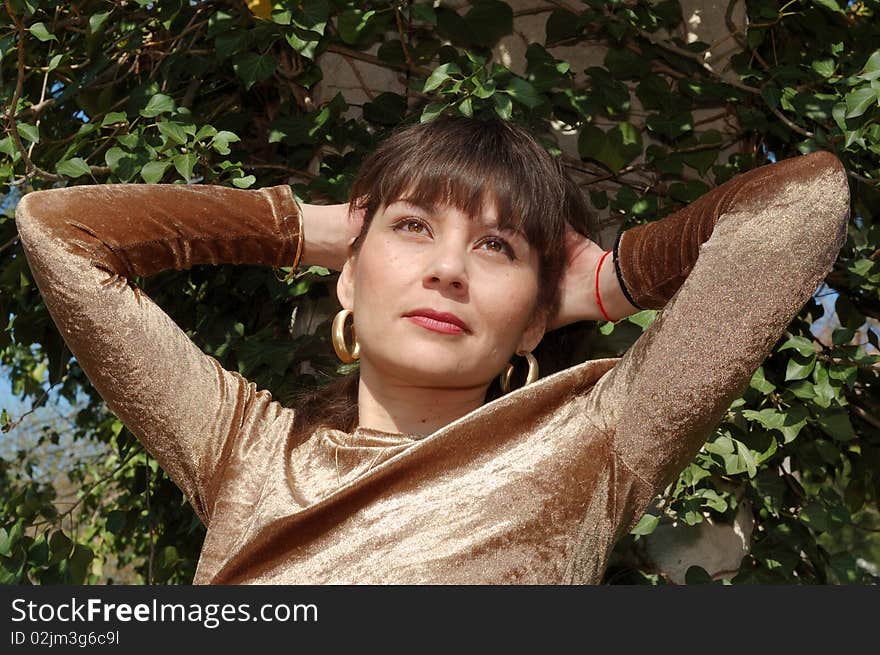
{"points": [[329, 231], [578, 301]]}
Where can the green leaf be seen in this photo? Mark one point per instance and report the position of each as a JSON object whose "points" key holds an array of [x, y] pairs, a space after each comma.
{"points": [[760, 383], [646, 525], [439, 75], [40, 31], [29, 132], [696, 574], [489, 20], [5, 543], [799, 367], [158, 104], [78, 563], [503, 105], [153, 171], [205, 131], [116, 520], [858, 101], [386, 109], [173, 131], [121, 163], [313, 17], [643, 318], [523, 92], [96, 21], [837, 426], [616, 148], [252, 68], [425, 12], [305, 47], [789, 423], [831, 4], [53, 63], [113, 118], [352, 23], [871, 70], [746, 457], [431, 111], [803, 345], [824, 67], [221, 141], [244, 182], [74, 167], [59, 547], [184, 164]]}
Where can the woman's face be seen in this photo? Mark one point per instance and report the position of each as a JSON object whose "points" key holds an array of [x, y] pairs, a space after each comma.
{"points": [[415, 261]]}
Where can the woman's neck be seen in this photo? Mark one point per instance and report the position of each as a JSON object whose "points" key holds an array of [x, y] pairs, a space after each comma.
{"points": [[392, 405]]}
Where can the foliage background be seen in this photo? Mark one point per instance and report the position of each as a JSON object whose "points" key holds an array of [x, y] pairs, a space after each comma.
{"points": [[223, 92]]}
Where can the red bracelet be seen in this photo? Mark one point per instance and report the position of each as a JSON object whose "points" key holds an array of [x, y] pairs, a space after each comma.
{"points": [[598, 298]]}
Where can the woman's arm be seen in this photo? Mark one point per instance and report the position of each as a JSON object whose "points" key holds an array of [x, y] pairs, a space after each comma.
{"points": [[84, 243], [731, 271]]}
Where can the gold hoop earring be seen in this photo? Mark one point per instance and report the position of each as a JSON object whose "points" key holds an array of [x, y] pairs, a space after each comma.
{"points": [[531, 377], [338, 332]]}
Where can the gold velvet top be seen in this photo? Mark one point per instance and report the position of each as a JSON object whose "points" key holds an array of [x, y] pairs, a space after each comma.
{"points": [[534, 487]]}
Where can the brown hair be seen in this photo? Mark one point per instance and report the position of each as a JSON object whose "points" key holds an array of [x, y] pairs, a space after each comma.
{"points": [[465, 163]]}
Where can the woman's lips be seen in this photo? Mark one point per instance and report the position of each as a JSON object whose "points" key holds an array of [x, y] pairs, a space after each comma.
{"points": [[435, 325], [437, 321]]}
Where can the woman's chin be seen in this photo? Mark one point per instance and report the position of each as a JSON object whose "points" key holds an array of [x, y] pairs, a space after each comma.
{"points": [[429, 367]]}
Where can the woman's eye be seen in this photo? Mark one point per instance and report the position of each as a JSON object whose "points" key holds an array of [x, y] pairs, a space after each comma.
{"points": [[499, 245], [410, 225]]}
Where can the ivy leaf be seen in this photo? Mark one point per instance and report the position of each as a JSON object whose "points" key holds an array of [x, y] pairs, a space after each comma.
{"points": [[425, 12], [40, 31], [503, 105], [184, 164], [431, 111], [799, 367], [803, 345], [871, 70], [244, 182], [74, 167], [489, 20], [158, 104], [439, 75], [253, 67], [29, 132], [173, 131], [96, 21], [858, 101], [79, 562], [221, 141], [113, 118], [760, 383], [523, 92], [646, 525], [837, 426], [615, 149], [153, 171]]}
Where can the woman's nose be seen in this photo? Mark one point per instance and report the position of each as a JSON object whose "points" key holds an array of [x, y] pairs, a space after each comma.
{"points": [[447, 268]]}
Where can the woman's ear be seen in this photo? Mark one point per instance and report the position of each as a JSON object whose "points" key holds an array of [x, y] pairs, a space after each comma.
{"points": [[345, 283], [533, 333]]}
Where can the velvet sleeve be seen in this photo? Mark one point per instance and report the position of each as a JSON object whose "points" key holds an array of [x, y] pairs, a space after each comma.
{"points": [[730, 272], [85, 243]]}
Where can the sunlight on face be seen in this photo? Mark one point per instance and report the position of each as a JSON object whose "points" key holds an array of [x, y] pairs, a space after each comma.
{"points": [[440, 298]]}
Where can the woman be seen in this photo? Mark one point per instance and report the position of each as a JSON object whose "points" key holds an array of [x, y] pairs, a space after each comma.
{"points": [[433, 484]]}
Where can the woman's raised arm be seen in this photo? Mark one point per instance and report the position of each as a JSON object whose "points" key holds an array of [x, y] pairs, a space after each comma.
{"points": [[731, 271], [84, 243]]}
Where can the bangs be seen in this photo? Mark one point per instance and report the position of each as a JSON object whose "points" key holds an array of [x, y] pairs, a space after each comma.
{"points": [[469, 165]]}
